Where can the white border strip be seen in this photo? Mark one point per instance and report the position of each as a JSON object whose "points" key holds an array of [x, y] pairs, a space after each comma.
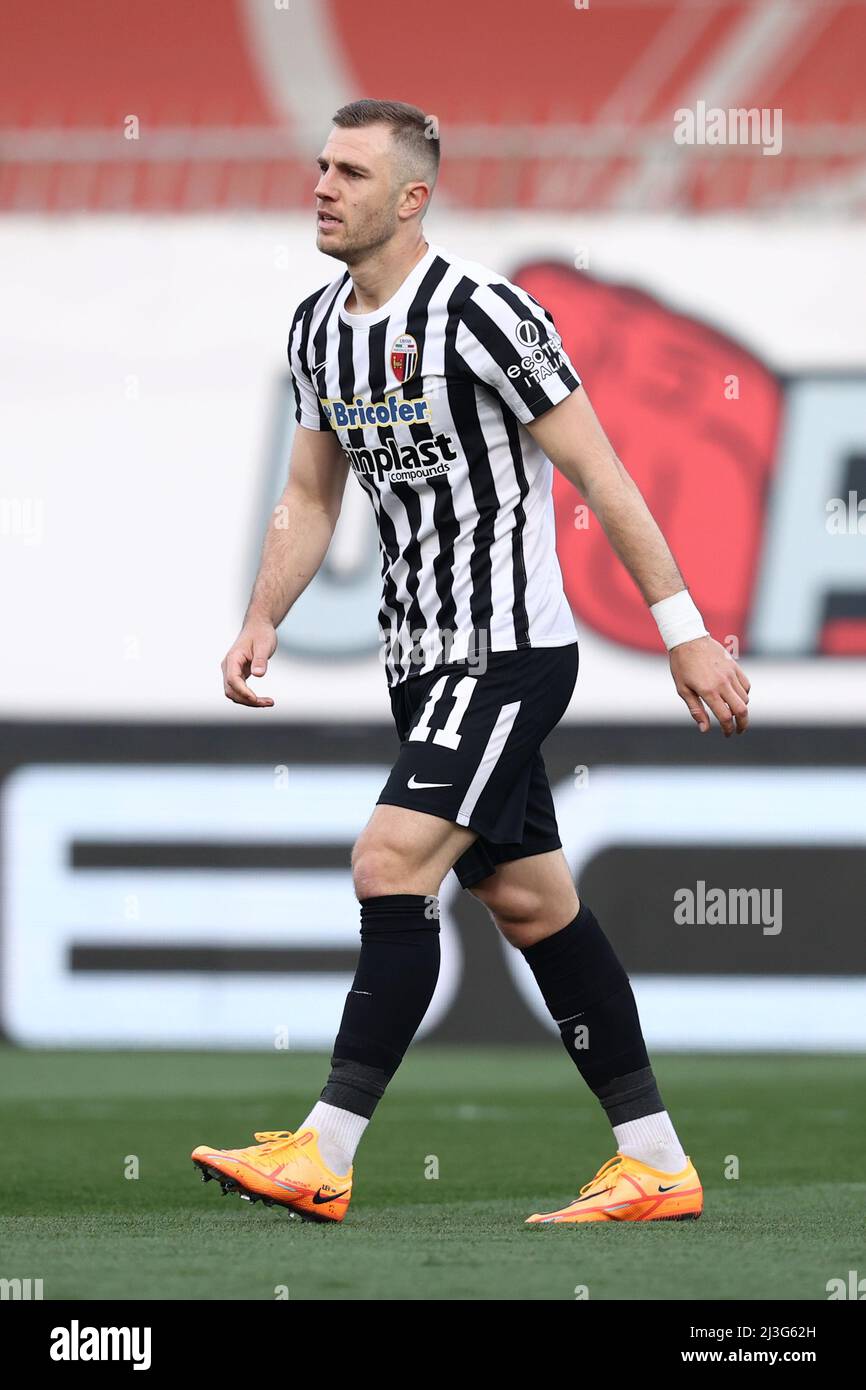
{"points": [[492, 753]]}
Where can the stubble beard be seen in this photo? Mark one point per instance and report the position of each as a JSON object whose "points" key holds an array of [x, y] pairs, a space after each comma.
{"points": [[357, 246]]}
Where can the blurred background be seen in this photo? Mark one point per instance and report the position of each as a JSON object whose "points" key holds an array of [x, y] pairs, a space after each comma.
{"points": [[683, 184]]}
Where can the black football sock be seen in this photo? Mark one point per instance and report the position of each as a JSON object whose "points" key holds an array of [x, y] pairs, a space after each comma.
{"points": [[589, 996], [394, 982]]}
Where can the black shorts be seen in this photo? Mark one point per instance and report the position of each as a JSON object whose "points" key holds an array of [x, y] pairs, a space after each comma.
{"points": [[470, 751]]}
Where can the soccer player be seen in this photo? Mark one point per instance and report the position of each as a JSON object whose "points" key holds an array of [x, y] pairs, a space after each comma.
{"points": [[446, 391]]}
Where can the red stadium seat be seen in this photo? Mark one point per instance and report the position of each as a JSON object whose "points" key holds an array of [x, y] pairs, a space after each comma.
{"points": [[545, 106]]}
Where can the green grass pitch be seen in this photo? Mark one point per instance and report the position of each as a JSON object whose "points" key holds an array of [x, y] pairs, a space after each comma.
{"points": [[513, 1131]]}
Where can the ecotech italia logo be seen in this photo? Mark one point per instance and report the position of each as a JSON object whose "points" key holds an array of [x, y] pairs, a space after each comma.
{"points": [[541, 359], [390, 460]]}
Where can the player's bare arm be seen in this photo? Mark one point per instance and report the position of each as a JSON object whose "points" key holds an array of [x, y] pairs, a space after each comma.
{"points": [[295, 545], [704, 672]]}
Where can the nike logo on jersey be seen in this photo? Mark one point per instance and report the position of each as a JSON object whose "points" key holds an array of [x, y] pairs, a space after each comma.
{"points": [[418, 786]]}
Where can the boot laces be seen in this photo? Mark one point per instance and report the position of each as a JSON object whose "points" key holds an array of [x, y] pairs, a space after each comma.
{"points": [[604, 1171], [270, 1138]]}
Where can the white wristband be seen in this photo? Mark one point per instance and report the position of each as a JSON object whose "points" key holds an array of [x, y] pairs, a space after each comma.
{"points": [[678, 619]]}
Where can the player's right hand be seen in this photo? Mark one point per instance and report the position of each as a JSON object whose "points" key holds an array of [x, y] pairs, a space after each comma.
{"points": [[249, 656]]}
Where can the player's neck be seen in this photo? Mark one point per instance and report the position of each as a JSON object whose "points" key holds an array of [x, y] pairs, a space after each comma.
{"points": [[378, 277]]}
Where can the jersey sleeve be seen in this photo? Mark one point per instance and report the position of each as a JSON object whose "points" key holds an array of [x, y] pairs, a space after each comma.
{"points": [[509, 342], [308, 408]]}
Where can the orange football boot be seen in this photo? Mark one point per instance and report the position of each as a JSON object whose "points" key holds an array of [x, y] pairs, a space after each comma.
{"points": [[624, 1189], [280, 1169]]}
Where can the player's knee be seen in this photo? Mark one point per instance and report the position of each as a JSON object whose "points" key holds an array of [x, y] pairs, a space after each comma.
{"points": [[522, 932], [518, 913], [377, 867]]}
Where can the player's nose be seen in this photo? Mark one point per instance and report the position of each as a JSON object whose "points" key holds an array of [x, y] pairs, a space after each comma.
{"points": [[323, 186]]}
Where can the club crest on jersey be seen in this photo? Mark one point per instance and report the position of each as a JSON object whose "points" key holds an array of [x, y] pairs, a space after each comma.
{"points": [[404, 357]]}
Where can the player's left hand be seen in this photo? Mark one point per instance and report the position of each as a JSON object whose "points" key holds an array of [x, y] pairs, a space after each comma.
{"points": [[704, 671]]}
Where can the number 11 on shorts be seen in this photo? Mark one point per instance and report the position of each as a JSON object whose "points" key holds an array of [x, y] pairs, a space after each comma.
{"points": [[448, 736]]}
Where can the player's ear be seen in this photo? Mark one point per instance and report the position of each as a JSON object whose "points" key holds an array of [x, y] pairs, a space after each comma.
{"points": [[415, 198]]}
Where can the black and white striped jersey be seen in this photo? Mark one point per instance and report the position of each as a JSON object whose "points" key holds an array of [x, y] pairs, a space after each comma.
{"points": [[429, 395]]}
